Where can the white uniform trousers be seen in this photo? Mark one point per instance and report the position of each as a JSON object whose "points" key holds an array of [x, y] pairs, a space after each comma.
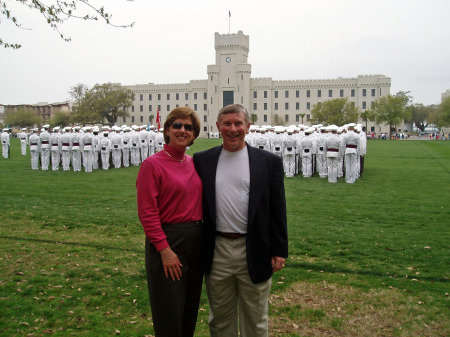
{"points": [[45, 158], [23, 147], [34, 159], [88, 160], [351, 167], [76, 160], [232, 294], [56, 157], [65, 159], [307, 166], [126, 157]]}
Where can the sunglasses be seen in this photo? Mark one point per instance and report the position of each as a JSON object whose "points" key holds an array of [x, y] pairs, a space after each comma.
{"points": [[187, 127]]}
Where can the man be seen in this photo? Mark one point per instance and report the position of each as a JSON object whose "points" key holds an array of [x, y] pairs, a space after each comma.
{"points": [[126, 146], [105, 149], [5, 143], [35, 148], [55, 141], [334, 151], [245, 238], [116, 147], [351, 142], [76, 149], [23, 136], [307, 150], [45, 147], [66, 148], [88, 149]]}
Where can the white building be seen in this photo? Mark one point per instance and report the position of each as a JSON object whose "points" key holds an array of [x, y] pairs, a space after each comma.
{"points": [[229, 81]]}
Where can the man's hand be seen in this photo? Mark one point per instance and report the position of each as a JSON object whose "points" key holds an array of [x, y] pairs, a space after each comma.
{"points": [[278, 263]]}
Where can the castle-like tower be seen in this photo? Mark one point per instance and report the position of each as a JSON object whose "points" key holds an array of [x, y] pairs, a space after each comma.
{"points": [[229, 81]]}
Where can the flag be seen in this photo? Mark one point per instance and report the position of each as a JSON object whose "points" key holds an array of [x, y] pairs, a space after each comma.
{"points": [[158, 119]]}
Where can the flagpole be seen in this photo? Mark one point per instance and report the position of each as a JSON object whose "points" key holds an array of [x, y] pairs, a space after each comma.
{"points": [[229, 22]]}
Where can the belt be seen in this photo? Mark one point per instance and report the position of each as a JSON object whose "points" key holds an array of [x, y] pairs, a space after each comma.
{"points": [[332, 150], [76, 144], [351, 146], [66, 144], [44, 142], [87, 144], [230, 235]]}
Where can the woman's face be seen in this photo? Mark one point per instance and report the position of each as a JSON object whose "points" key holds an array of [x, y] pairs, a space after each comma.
{"points": [[180, 138]]}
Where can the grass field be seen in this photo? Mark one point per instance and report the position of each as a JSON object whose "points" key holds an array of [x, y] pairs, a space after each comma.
{"points": [[366, 259]]}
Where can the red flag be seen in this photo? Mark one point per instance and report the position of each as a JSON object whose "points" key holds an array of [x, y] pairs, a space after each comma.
{"points": [[158, 119]]}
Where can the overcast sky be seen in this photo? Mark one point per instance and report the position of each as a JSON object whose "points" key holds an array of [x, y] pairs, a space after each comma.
{"points": [[172, 41]]}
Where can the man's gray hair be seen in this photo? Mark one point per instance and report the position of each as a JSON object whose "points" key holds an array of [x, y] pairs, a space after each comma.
{"points": [[234, 108]]}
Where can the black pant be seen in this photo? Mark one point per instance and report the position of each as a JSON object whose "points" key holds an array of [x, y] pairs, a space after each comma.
{"points": [[175, 303]]}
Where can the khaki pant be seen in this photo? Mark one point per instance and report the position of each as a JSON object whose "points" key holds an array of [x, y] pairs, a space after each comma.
{"points": [[233, 296]]}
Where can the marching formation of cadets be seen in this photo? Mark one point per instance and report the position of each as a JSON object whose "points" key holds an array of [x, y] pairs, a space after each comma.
{"points": [[89, 147], [332, 151]]}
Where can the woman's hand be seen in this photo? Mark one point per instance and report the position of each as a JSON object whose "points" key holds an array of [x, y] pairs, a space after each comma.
{"points": [[171, 263]]}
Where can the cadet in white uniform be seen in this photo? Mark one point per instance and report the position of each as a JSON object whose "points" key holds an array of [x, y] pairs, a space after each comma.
{"points": [[276, 142], [5, 143], [23, 136], [88, 150], [45, 148], [289, 144], [135, 146], [321, 157], [151, 140], [116, 147], [105, 149], [351, 141], [126, 146], [159, 140], [333, 147], [55, 140], [66, 148], [306, 153], [35, 147], [144, 142], [76, 149], [96, 148]]}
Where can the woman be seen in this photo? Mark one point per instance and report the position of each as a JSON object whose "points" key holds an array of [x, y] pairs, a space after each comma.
{"points": [[169, 195]]}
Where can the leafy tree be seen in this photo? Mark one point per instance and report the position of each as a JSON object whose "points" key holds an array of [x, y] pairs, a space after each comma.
{"points": [[366, 116], [391, 109], [22, 118], [85, 112], [77, 93], [56, 12], [444, 109], [61, 119], [338, 111], [253, 118], [420, 115], [111, 101], [302, 116], [277, 120]]}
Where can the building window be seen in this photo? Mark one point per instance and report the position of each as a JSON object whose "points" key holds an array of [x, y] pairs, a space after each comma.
{"points": [[195, 107], [364, 105], [149, 97], [159, 97], [205, 118], [341, 93], [265, 106], [255, 94], [276, 93], [159, 107], [124, 120], [141, 108], [373, 92], [297, 118], [319, 93], [132, 119], [276, 106], [286, 106], [308, 106], [186, 96], [132, 108], [255, 106], [297, 93], [308, 117], [308, 93], [364, 92], [205, 95], [205, 107], [330, 93], [168, 107], [286, 94], [177, 106], [353, 93], [286, 118], [297, 106], [141, 97], [168, 97], [195, 95], [265, 118], [149, 118], [265, 94], [150, 108], [141, 119], [177, 96]]}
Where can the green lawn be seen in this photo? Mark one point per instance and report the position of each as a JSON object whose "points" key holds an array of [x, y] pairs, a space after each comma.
{"points": [[366, 259]]}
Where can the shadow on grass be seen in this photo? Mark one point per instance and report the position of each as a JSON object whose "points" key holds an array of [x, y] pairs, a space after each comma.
{"points": [[72, 244]]}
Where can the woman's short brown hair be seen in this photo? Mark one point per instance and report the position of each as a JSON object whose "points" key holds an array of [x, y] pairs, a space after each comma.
{"points": [[182, 112]]}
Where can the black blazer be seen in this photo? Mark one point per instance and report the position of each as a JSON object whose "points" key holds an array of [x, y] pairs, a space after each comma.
{"points": [[267, 225]]}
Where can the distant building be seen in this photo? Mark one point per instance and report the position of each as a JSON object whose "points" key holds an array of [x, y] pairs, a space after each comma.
{"points": [[43, 109], [445, 95], [229, 81]]}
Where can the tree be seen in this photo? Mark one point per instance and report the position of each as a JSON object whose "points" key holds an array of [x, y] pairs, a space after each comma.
{"points": [[391, 109], [22, 118], [56, 12], [111, 101], [253, 118], [367, 115], [77, 93], [277, 120], [444, 109], [420, 115], [151, 118], [338, 111], [60, 118], [302, 116]]}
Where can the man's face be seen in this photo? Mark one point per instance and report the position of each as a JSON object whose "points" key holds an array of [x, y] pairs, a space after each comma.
{"points": [[233, 128]]}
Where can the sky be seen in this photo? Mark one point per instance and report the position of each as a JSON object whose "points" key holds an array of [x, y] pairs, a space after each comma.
{"points": [[172, 41]]}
